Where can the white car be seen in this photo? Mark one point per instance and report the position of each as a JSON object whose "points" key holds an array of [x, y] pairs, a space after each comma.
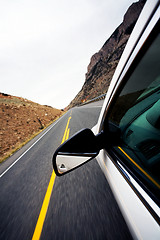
{"points": [[126, 139]]}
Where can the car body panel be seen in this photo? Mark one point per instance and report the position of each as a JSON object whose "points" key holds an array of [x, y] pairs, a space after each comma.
{"points": [[138, 218], [142, 214]]}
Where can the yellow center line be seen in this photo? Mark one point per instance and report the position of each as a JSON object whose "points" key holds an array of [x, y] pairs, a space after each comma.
{"points": [[42, 215], [43, 212], [66, 134]]}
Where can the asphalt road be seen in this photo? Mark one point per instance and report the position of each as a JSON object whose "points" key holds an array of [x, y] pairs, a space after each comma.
{"points": [[81, 205]]}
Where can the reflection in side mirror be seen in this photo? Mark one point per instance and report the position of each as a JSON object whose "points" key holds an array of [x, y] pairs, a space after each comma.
{"points": [[66, 163], [79, 149]]}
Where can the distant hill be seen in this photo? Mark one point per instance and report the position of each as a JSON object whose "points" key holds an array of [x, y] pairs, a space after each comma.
{"points": [[103, 64], [20, 119]]}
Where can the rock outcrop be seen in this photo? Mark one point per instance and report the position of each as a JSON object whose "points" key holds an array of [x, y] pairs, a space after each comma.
{"points": [[102, 65]]}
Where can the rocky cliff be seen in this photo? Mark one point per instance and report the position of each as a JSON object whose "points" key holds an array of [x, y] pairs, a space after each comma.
{"points": [[102, 65]]}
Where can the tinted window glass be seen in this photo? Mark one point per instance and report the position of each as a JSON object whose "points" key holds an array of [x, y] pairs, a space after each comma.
{"points": [[137, 113]]}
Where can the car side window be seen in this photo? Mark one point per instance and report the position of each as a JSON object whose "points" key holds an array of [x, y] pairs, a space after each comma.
{"points": [[136, 112]]}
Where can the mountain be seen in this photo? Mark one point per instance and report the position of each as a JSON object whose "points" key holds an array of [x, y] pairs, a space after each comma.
{"points": [[103, 63], [20, 120]]}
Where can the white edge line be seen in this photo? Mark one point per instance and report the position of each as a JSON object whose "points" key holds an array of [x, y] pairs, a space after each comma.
{"points": [[28, 149]]}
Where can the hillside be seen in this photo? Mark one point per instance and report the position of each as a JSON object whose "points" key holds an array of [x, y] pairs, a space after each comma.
{"points": [[103, 64], [20, 120]]}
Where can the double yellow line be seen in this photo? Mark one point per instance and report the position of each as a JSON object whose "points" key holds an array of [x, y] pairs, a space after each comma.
{"points": [[43, 212], [66, 133]]}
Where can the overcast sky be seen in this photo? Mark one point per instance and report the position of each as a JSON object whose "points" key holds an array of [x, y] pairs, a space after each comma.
{"points": [[46, 45]]}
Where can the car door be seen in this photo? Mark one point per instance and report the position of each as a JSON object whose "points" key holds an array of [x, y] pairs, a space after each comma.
{"points": [[131, 125]]}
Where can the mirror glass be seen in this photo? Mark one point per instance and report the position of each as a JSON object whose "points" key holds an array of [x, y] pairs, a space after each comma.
{"points": [[66, 163], [75, 151]]}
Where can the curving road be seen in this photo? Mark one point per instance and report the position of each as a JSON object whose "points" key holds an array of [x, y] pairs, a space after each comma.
{"points": [[81, 204]]}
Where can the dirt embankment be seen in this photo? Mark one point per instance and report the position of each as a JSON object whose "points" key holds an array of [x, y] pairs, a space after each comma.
{"points": [[20, 120]]}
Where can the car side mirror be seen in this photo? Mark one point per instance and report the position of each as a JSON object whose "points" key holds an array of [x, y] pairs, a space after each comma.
{"points": [[77, 150]]}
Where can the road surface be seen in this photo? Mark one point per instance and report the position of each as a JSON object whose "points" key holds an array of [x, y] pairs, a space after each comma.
{"points": [[80, 205]]}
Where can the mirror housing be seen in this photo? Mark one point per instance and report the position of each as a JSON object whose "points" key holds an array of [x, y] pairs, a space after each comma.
{"points": [[80, 148]]}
